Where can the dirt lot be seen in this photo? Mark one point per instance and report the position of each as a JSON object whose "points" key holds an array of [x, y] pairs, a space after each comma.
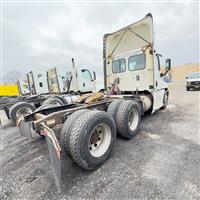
{"points": [[161, 162]]}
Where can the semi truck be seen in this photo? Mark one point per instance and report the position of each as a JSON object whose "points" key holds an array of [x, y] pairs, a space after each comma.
{"points": [[44, 89], [76, 80], [86, 129], [37, 83]]}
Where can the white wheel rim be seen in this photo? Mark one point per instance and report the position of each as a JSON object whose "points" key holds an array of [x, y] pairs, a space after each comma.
{"points": [[23, 111], [99, 140], [133, 119]]}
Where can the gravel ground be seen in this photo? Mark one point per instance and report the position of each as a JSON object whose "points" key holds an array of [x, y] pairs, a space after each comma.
{"points": [[161, 162]]}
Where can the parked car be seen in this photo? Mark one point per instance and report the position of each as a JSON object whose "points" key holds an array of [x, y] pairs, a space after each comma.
{"points": [[193, 81]]}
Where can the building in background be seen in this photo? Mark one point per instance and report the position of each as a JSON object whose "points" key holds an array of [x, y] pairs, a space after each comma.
{"points": [[179, 73]]}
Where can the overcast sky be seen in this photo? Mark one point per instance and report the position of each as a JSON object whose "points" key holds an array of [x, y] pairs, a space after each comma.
{"points": [[38, 36]]}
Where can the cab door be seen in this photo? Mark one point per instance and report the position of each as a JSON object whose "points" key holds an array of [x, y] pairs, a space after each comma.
{"points": [[31, 82], [159, 85], [53, 82], [130, 71], [86, 81], [136, 72]]}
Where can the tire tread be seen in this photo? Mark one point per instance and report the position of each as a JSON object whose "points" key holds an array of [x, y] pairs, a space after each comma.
{"points": [[75, 137], [121, 128], [65, 131]]}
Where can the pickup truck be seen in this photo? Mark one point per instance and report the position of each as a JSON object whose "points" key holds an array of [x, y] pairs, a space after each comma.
{"points": [[193, 81]]}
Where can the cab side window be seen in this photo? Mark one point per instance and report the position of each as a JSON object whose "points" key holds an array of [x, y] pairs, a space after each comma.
{"points": [[136, 62], [119, 66], [86, 74]]}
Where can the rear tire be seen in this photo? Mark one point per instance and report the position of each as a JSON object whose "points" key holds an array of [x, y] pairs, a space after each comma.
{"points": [[128, 119], [66, 129], [113, 107], [20, 109], [92, 139], [187, 88], [53, 101]]}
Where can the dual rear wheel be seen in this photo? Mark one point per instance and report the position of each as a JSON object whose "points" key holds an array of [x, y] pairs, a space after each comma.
{"points": [[127, 117], [89, 136]]}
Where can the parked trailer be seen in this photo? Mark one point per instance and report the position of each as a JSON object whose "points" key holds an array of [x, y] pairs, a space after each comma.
{"points": [[86, 130]]}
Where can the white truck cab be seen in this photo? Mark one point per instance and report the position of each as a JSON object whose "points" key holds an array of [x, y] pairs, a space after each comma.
{"points": [[132, 66], [23, 87], [76, 80], [37, 82], [82, 80]]}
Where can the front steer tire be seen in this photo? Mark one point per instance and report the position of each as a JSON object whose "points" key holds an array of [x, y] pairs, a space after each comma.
{"points": [[187, 89], [165, 100], [128, 119], [80, 139]]}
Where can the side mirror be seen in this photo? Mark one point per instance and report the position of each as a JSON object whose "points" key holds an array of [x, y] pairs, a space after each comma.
{"points": [[94, 76], [168, 64]]}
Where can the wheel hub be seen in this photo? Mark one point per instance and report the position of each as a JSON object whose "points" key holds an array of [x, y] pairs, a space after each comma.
{"points": [[133, 119], [96, 138], [23, 111], [99, 140]]}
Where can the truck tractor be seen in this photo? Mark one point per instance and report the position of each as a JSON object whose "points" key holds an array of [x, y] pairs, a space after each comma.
{"points": [[86, 129], [76, 80], [37, 83], [48, 89], [23, 87]]}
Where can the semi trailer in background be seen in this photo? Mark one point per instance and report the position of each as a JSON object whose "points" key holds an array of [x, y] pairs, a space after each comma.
{"points": [[86, 129]]}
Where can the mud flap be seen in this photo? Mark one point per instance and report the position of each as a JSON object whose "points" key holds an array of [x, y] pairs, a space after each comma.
{"points": [[55, 162], [25, 129], [54, 154]]}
